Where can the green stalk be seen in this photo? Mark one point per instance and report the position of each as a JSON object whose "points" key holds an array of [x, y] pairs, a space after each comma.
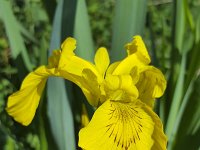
{"points": [[129, 20], [176, 101], [42, 134], [180, 115]]}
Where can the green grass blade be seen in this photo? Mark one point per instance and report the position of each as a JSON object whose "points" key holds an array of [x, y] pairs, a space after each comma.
{"points": [[27, 34], [180, 25], [59, 111], [180, 115], [13, 31], [197, 37], [82, 32], [177, 97], [85, 49], [188, 130], [129, 20]]}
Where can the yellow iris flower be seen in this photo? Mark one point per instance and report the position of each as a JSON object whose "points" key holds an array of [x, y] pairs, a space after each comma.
{"points": [[123, 93]]}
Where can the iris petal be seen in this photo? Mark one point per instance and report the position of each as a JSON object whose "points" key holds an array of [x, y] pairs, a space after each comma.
{"points": [[119, 87], [22, 105], [138, 48], [102, 60], [121, 126], [137, 56], [151, 84]]}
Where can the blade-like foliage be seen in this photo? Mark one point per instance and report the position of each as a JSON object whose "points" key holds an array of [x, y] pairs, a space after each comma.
{"points": [[59, 110], [14, 35], [82, 32], [129, 20]]}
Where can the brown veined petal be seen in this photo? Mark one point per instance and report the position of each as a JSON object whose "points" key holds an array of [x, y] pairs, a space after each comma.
{"points": [[122, 126]]}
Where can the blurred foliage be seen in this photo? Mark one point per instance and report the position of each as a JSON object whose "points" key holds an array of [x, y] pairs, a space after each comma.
{"points": [[35, 31], [172, 34], [101, 17]]}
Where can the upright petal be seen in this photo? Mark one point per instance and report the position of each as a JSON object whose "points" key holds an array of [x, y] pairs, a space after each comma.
{"points": [[22, 104], [137, 56], [80, 71], [151, 84], [112, 67], [70, 63], [138, 48], [122, 126], [120, 87], [102, 60]]}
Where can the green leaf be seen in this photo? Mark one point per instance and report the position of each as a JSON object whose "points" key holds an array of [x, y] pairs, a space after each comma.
{"points": [[197, 38], [188, 130], [27, 34], [176, 100], [13, 31], [82, 32], [59, 110], [179, 25], [85, 49], [180, 115], [129, 20]]}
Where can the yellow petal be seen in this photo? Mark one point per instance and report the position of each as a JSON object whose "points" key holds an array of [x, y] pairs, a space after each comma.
{"points": [[84, 116], [54, 59], [135, 74], [68, 47], [137, 56], [90, 86], [102, 60], [112, 67], [126, 65], [120, 87], [69, 63], [151, 85], [22, 104], [122, 126], [80, 71], [138, 48], [160, 139]]}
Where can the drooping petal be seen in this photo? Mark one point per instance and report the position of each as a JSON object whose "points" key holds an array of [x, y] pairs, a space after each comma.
{"points": [[122, 126], [22, 104], [160, 139], [151, 85], [137, 56], [80, 71], [90, 87], [102, 60]]}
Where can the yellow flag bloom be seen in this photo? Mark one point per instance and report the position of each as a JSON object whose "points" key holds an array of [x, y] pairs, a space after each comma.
{"points": [[123, 93]]}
